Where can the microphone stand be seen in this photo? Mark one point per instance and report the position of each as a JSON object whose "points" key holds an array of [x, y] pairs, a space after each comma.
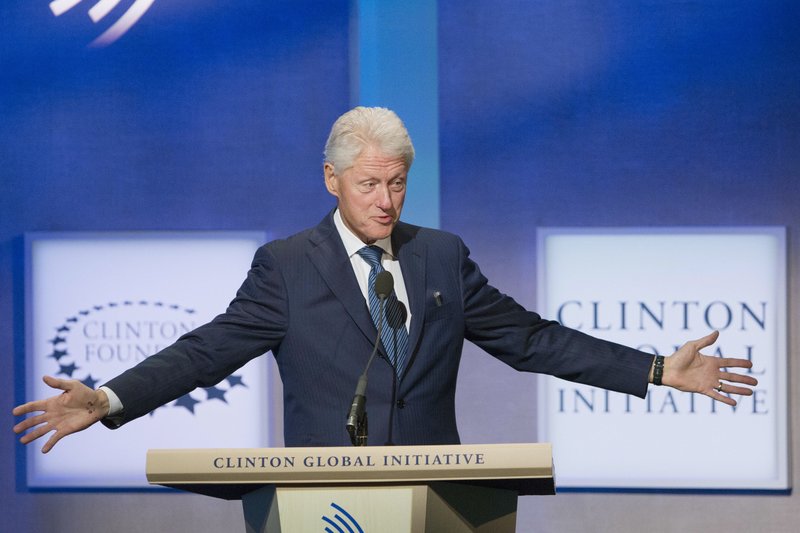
{"points": [[357, 416], [400, 322]]}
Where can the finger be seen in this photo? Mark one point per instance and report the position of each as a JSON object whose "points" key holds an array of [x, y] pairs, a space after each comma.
{"points": [[721, 397], [52, 442], [60, 384], [738, 378], [29, 423], [708, 340], [30, 407], [36, 433], [731, 362], [732, 389]]}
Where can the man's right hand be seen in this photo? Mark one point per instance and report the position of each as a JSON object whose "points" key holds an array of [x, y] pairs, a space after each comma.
{"points": [[75, 409]]}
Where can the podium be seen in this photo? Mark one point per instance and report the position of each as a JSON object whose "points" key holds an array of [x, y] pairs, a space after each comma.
{"points": [[384, 489]]}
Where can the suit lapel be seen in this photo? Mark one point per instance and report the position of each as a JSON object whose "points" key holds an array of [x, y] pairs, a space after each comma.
{"points": [[328, 255], [411, 253]]}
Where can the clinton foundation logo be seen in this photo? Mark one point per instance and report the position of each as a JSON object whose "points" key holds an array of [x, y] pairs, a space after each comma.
{"points": [[124, 13], [98, 304], [101, 341]]}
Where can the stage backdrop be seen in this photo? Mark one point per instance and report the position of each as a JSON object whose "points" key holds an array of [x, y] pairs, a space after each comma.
{"points": [[208, 115], [625, 114], [202, 116]]}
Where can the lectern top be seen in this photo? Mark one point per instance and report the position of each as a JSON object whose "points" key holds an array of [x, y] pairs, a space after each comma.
{"points": [[231, 472]]}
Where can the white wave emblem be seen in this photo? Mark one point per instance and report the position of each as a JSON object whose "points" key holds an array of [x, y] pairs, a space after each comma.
{"points": [[99, 11]]}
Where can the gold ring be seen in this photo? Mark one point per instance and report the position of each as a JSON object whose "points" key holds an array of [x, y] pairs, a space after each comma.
{"points": [[719, 387]]}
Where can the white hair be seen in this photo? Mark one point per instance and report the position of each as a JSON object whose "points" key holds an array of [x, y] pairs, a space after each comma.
{"points": [[363, 127]]}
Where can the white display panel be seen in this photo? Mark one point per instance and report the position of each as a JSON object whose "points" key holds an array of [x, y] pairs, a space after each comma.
{"points": [[654, 289], [98, 303]]}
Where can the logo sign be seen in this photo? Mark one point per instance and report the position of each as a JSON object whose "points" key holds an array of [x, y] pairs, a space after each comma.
{"points": [[102, 8], [654, 289], [98, 304], [340, 520]]}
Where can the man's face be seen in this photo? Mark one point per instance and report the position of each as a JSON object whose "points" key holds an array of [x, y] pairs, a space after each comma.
{"points": [[370, 193]]}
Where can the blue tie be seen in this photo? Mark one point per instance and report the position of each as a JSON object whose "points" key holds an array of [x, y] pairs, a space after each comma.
{"points": [[393, 331]]}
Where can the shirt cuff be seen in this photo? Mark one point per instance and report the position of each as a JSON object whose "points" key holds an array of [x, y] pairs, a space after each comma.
{"points": [[114, 403]]}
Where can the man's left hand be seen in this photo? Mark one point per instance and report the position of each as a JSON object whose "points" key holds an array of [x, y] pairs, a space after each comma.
{"points": [[690, 371]]}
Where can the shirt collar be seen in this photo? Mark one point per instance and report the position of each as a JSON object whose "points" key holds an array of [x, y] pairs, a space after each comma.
{"points": [[353, 244]]}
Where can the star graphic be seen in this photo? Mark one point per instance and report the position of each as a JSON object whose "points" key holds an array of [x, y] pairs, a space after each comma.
{"points": [[89, 381], [186, 401], [189, 311], [72, 319], [57, 340], [215, 394], [234, 380], [84, 313], [62, 329], [68, 369], [58, 354]]}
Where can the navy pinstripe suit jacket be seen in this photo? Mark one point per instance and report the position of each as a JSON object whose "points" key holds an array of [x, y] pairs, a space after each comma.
{"points": [[301, 301]]}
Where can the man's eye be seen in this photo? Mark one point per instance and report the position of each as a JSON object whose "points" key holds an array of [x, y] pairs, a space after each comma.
{"points": [[398, 185]]}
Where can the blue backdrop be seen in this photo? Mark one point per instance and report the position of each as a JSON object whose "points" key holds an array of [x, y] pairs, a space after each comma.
{"points": [[551, 113]]}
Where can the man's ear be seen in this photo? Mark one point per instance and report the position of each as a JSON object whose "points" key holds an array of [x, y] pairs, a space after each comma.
{"points": [[331, 180]]}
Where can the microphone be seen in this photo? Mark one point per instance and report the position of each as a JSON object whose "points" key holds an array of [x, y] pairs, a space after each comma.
{"points": [[357, 416], [384, 283]]}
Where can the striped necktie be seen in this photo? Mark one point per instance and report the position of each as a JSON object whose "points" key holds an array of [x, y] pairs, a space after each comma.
{"points": [[393, 331]]}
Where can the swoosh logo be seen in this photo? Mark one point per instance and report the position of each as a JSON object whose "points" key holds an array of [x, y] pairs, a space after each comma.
{"points": [[342, 521], [100, 10]]}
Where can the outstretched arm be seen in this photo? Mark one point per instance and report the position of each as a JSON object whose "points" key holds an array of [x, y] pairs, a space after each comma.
{"points": [[690, 371], [75, 409]]}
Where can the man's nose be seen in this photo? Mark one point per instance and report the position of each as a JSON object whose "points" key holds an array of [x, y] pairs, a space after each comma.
{"points": [[384, 198]]}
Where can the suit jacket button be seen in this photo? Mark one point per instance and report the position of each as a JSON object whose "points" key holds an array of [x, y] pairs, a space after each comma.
{"points": [[401, 404]]}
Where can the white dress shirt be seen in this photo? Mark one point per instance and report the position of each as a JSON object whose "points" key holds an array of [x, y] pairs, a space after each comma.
{"points": [[389, 262]]}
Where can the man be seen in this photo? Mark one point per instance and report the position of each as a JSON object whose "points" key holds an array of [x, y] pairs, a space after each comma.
{"points": [[312, 300]]}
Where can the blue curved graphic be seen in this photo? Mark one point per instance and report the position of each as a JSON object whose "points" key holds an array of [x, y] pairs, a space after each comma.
{"points": [[349, 523], [331, 522]]}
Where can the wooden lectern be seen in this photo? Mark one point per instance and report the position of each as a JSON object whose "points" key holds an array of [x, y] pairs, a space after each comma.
{"points": [[365, 489]]}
